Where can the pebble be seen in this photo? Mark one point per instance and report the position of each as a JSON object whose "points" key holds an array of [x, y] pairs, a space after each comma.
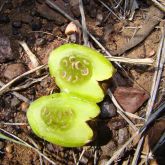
{"points": [[14, 102], [24, 106], [151, 53], [36, 25], [5, 49], [108, 110], [99, 18], [15, 31], [84, 160], [17, 24], [40, 41], [4, 19], [9, 148], [122, 136], [116, 124], [14, 70]]}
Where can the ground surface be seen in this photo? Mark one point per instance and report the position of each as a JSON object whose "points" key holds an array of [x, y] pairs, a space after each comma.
{"points": [[25, 20]]}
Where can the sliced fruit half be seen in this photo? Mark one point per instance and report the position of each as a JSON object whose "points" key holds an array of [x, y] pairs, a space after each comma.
{"points": [[77, 69], [61, 119]]}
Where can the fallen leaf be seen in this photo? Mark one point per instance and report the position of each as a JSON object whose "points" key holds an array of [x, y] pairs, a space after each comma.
{"points": [[130, 98]]}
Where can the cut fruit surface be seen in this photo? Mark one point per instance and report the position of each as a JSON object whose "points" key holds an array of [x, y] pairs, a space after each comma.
{"points": [[61, 119], [77, 69]]}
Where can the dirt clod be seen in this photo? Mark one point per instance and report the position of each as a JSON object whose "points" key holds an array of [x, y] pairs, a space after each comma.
{"points": [[46, 12], [14, 70], [122, 135]]}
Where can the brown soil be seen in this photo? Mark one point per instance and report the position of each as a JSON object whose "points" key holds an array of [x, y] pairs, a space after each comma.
{"points": [[113, 132]]}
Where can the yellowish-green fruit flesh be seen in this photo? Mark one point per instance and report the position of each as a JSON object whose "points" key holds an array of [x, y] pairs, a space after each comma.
{"points": [[77, 70], [61, 119]]}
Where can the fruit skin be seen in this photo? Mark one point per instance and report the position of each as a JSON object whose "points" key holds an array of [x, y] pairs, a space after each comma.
{"points": [[100, 69], [78, 133]]}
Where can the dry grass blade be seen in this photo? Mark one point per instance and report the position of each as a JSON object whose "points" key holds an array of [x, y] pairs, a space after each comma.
{"points": [[28, 84], [81, 155], [6, 87], [157, 76], [84, 27], [17, 140], [156, 80], [118, 152], [160, 4], [5, 123], [109, 9], [145, 61], [19, 96]]}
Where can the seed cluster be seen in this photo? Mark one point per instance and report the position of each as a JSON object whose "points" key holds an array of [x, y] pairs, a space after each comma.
{"points": [[74, 69], [57, 118]]}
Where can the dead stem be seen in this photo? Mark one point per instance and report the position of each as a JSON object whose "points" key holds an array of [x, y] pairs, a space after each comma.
{"points": [[155, 85], [83, 22], [6, 87], [144, 61], [28, 84], [109, 9], [160, 4], [19, 96]]}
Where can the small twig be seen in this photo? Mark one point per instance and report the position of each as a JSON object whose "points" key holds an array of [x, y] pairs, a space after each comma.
{"points": [[82, 153], [144, 61], [19, 96], [95, 155], [83, 22], [5, 123], [8, 85], [74, 157], [28, 84], [109, 9], [34, 61], [157, 76]]}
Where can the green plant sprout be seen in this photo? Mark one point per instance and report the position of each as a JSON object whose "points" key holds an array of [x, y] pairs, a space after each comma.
{"points": [[61, 119], [78, 69]]}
